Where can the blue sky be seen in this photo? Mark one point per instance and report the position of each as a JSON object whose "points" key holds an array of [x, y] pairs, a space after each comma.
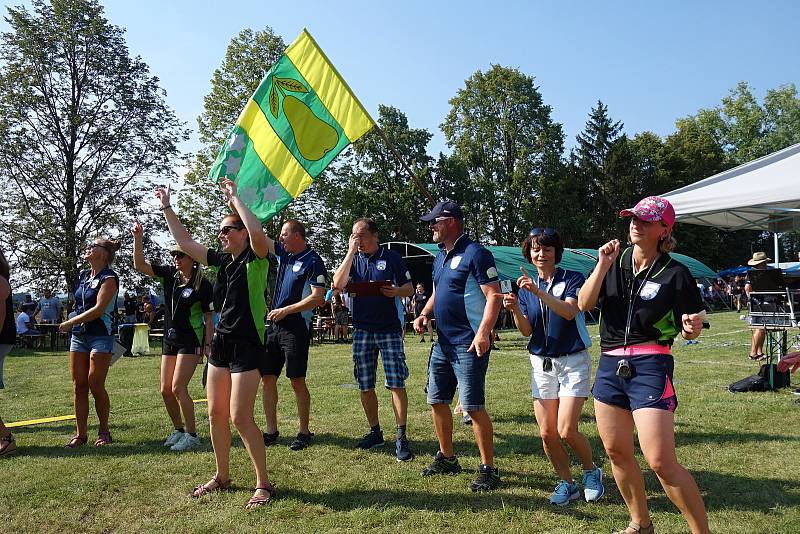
{"points": [[649, 62]]}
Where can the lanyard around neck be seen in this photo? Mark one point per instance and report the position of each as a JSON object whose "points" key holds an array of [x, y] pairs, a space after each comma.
{"points": [[632, 298]]}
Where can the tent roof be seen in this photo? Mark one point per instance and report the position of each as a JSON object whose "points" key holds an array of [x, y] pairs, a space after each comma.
{"points": [[509, 259], [763, 194]]}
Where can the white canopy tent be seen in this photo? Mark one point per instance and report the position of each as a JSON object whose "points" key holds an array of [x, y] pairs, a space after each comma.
{"points": [[763, 194]]}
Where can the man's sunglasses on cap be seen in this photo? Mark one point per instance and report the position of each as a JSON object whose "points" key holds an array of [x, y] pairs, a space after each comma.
{"points": [[535, 232]]}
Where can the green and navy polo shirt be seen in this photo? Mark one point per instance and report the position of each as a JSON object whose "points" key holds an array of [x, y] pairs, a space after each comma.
{"points": [[659, 297], [183, 305]]}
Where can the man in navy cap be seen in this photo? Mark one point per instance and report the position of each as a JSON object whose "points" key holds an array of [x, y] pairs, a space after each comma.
{"points": [[465, 302], [378, 322]]}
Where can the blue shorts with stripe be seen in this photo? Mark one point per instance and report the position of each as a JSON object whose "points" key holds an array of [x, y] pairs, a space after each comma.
{"points": [[365, 358]]}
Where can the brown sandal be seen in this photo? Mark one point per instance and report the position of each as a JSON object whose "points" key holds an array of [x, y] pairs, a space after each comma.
{"points": [[638, 529], [103, 439], [215, 484], [257, 501], [7, 445], [76, 442]]}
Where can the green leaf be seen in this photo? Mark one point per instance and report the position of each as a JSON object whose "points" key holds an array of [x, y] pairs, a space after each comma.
{"points": [[291, 85], [273, 101]]}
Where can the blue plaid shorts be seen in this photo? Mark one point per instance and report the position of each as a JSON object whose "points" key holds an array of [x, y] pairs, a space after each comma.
{"points": [[365, 358]]}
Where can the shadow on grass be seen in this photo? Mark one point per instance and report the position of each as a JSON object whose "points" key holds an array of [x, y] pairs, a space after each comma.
{"points": [[731, 492], [349, 500]]}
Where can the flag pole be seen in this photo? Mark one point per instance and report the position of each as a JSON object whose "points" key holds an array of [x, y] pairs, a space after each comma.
{"points": [[402, 162]]}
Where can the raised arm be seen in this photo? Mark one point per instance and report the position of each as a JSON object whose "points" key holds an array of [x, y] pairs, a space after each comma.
{"points": [[590, 292], [511, 303], [342, 274], [194, 249], [259, 242], [139, 262]]}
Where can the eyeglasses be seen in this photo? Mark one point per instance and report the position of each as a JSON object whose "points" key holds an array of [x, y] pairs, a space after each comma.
{"points": [[542, 231], [226, 229]]}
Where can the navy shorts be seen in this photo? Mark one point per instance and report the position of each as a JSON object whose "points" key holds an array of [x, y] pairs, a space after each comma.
{"points": [[450, 366], [237, 354], [650, 385], [288, 343]]}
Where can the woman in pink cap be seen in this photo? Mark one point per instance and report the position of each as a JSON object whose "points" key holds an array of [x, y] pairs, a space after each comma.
{"points": [[646, 299]]}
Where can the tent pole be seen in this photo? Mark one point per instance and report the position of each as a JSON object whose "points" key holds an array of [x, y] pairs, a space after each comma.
{"points": [[775, 242]]}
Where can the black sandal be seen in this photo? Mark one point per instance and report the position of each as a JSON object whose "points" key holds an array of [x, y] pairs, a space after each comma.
{"points": [[257, 501]]}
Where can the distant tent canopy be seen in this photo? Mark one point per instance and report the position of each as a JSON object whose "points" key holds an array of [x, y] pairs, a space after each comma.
{"points": [[419, 258]]}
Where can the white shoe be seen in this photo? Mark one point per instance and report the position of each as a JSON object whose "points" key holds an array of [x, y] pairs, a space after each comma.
{"points": [[173, 438], [186, 443]]}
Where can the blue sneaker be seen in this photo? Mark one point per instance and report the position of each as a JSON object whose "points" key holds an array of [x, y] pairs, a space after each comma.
{"points": [[403, 451], [593, 488], [564, 493]]}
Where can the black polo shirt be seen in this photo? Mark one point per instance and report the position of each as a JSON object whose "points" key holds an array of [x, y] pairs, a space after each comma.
{"points": [[659, 297], [183, 305], [239, 293]]}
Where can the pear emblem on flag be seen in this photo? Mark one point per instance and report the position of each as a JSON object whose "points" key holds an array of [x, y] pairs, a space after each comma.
{"points": [[313, 136]]}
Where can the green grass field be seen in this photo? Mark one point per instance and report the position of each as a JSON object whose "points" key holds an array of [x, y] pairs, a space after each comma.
{"points": [[744, 451]]}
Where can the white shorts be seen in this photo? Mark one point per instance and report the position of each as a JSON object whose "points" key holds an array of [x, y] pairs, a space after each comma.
{"points": [[570, 377]]}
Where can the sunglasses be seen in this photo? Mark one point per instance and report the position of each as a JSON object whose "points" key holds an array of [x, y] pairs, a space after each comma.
{"points": [[438, 220], [542, 231], [92, 246], [226, 229]]}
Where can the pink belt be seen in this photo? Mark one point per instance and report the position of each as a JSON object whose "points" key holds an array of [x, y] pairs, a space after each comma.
{"points": [[639, 350]]}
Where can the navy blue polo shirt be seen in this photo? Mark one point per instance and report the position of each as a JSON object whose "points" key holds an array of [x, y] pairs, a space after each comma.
{"points": [[297, 274], [379, 313], [459, 301], [555, 336], [86, 299]]}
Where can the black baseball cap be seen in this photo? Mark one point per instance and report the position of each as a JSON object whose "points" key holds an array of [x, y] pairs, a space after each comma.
{"points": [[444, 208]]}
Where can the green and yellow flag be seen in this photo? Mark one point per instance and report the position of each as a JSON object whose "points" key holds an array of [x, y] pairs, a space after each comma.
{"points": [[298, 120]]}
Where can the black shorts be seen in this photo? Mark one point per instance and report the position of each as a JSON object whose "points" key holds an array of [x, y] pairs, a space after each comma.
{"points": [[288, 343], [179, 348], [237, 354]]}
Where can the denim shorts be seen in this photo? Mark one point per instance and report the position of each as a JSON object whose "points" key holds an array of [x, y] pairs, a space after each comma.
{"points": [[650, 385], [365, 359], [450, 366], [91, 344]]}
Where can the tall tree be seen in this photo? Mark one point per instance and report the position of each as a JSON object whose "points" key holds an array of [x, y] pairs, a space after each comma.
{"points": [[601, 169], [247, 59], [83, 126], [502, 131]]}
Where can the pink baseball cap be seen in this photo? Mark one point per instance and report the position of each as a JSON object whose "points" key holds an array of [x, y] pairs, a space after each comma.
{"points": [[652, 209]]}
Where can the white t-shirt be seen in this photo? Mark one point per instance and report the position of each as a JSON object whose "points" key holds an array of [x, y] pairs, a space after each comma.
{"points": [[22, 322]]}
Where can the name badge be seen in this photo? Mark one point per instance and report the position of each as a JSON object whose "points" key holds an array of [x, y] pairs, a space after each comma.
{"points": [[187, 292], [296, 266], [94, 283], [381, 265], [455, 261], [558, 289], [649, 290]]}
